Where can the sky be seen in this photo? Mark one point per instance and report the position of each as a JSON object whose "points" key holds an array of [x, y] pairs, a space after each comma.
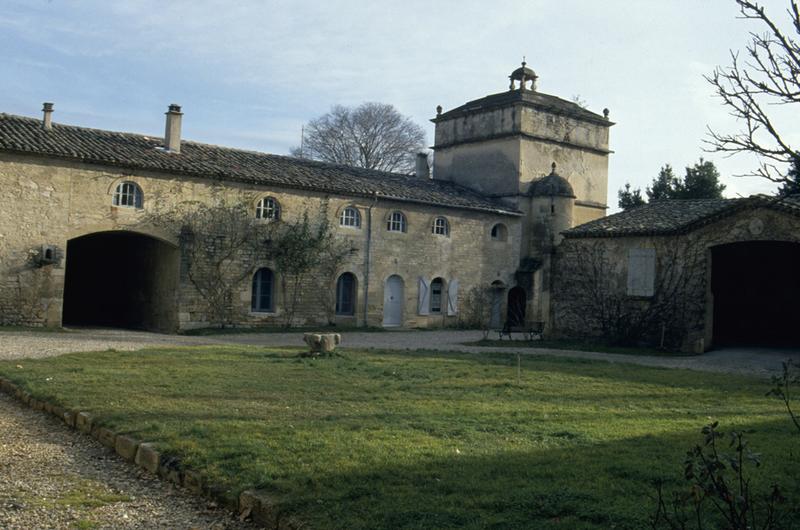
{"points": [[249, 74]]}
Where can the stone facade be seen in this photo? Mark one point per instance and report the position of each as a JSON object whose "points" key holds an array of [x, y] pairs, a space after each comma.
{"points": [[685, 268], [53, 201], [491, 156]]}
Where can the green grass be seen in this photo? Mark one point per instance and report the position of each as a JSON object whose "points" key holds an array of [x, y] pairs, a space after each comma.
{"points": [[420, 439], [577, 345]]}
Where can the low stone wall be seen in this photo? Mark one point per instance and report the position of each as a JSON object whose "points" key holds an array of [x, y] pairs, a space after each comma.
{"points": [[251, 503]]}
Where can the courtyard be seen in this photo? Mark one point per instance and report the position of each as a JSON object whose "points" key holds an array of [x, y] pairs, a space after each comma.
{"points": [[393, 433]]}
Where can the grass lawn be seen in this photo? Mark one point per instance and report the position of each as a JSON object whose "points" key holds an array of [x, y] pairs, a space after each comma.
{"points": [[577, 345], [423, 440], [279, 329]]}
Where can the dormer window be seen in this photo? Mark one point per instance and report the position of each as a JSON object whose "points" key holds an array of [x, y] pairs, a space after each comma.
{"points": [[396, 222], [268, 208], [350, 218], [128, 195]]}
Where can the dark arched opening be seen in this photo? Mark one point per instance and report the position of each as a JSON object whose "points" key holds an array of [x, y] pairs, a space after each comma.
{"points": [[756, 288], [516, 306], [346, 295], [121, 279]]}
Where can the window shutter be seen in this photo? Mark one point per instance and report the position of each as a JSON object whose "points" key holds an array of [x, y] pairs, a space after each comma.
{"points": [[641, 271], [424, 302], [452, 297]]}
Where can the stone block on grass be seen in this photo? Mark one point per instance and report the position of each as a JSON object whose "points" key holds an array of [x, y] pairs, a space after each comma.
{"points": [[58, 412], [48, 407], [83, 422], [105, 436], [69, 418], [126, 446], [193, 481], [148, 458], [264, 510]]}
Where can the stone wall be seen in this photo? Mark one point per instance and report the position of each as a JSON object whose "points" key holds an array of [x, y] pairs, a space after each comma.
{"points": [[692, 250], [51, 201]]}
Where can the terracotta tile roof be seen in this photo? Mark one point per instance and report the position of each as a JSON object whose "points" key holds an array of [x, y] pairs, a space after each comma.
{"points": [[674, 216], [127, 150]]}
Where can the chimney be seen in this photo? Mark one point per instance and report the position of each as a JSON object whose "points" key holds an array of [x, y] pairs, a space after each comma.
{"points": [[47, 121], [423, 171], [172, 134]]}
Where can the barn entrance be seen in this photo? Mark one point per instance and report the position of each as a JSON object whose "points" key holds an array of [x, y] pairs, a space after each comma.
{"points": [[756, 288], [121, 279]]}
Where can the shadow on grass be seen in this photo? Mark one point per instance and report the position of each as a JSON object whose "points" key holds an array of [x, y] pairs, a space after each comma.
{"points": [[590, 485]]}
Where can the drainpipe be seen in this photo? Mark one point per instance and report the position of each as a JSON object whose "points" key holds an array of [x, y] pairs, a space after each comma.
{"points": [[367, 257]]}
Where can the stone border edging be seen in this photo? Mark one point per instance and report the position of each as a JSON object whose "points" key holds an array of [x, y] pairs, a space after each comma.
{"points": [[253, 503]]}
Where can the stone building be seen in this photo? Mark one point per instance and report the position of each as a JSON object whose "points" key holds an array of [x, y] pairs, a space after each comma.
{"points": [[511, 172], [693, 274]]}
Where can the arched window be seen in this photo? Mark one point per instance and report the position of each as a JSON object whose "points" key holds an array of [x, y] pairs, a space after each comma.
{"points": [[350, 218], [346, 294], [268, 208], [129, 195], [437, 286], [396, 222], [441, 227], [262, 299], [499, 232]]}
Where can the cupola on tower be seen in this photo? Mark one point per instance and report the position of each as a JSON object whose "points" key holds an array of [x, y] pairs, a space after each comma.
{"points": [[501, 144]]}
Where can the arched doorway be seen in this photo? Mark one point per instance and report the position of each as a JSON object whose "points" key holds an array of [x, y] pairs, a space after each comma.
{"points": [[393, 301], [756, 288], [121, 279], [516, 306]]}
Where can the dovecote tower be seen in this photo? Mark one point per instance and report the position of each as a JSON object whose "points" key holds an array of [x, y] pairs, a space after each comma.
{"points": [[501, 144]]}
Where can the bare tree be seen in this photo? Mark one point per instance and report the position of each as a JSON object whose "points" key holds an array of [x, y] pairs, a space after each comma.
{"points": [[306, 251], [219, 245], [594, 300], [372, 136], [751, 87], [477, 309]]}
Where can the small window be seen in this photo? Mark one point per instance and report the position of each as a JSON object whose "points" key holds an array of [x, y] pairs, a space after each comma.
{"points": [[261, 301], [396, 222], [499, 232], [129, 195], [346, 294], [641, 271], [436, 295], [441, 227], [268, 208], [350, 218]]}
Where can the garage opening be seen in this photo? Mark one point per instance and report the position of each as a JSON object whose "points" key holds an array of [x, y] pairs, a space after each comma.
{"points": [[756, 288], [121, 279]]}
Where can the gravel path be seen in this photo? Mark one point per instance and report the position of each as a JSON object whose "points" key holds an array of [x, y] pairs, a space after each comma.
{"points": [[54, 477], [761, 362]]}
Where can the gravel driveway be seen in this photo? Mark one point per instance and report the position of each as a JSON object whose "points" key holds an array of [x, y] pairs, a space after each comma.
{"points": [[54, 477], [19, 344]]}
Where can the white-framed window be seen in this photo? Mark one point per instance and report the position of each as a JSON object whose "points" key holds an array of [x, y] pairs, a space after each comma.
{"points": [[441, 227], [268, 208], [350, 218], [436, 295], [128, 195], [396, 222], [499, 232], [346, 294], [641, 271], [263, 288]]}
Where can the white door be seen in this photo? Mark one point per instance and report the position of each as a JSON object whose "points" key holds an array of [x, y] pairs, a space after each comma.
{"points": [[496, 316], [393, 301]]}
